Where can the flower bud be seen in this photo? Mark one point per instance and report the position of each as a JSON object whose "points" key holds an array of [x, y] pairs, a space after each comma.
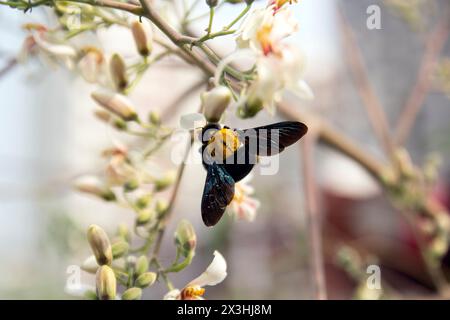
{"points": [[131, 185], [123, 232], [215, 102], [132, 294], [118, 71], [185, 238], [103, 115], [116, 103], [252, 106], [121, 276], [212, 3], [119, 249], [100, 245], [165, 182], [141, 265], [142, 39], [161, 207], [105, 283], [144, 217], [90, 264], [154, 118], [143, 201], [439, 246], [146, 279], [131, 262], [90, 295], [91, 185]]}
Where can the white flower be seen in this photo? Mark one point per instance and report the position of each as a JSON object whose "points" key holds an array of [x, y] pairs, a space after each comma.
{"points": [[92, 64], [275, 74], [264, 30], [49, 48], [214, 274], [243, 206]]}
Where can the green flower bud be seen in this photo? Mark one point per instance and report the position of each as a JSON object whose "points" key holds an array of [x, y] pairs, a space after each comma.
{"points": [[165, 182], [132, 294], [121, 276], [212, 3], [118, 71], [144, 217], [131, 185], [100, 245], [119, 249], [142, 39], [185, 238], [214, 103], [90, 295], [105, 283], [251, 108], [154, 118], [131, 263], [119, 124], [143, 201], [161, 207], [141, 265], [146, 279], [123, 232]]}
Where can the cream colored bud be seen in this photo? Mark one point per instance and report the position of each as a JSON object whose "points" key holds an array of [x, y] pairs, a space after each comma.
{"points": [[185, 238], [118, 71], [161, 207], [119, 249], [92, 185], [132, 294], [123, 232], [144, 217], [105, 283], [143, 201], [142, 38], [165, 182], [116, 103], [215, 102], [90, 265], [141, 265], [154, 118], [100, 245], [146, 279], [103, 115]]}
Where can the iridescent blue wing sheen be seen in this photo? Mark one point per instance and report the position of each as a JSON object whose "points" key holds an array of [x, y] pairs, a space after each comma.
{"points": [[272, 139], [217, 194]]}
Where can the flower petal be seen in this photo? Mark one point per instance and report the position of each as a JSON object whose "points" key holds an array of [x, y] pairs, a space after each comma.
{"points": [[172, 295], [214, 274]]}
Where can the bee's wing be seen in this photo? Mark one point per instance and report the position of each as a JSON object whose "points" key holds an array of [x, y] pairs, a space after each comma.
{"points": [[272, 139], [217, 194]]}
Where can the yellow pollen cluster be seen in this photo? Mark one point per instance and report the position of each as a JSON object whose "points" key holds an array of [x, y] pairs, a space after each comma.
{"points": [[238, 194], [225, 141], [191, 292], [280, 3], [263, 36]]}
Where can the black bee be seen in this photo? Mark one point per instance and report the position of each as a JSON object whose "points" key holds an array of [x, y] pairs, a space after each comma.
{"points": [[229, 155]]}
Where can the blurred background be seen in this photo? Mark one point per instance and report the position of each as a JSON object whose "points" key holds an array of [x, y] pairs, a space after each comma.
{"points": [[49, 137]]}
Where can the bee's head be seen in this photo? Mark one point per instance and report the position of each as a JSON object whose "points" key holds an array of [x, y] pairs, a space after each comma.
{"points": [[208, 131]]}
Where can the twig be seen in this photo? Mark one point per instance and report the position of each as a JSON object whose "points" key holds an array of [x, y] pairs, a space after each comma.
{"points": [[8, 67], [433, 48], [313, 217], [335, 139], [370, 100], [173, 197]]}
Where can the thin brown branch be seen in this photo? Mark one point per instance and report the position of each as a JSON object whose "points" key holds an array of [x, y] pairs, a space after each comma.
{"points": [[8, 67], [433, 48], [335, 139], [375, 110], [173, 197], [183, 42], [313, 217]]}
